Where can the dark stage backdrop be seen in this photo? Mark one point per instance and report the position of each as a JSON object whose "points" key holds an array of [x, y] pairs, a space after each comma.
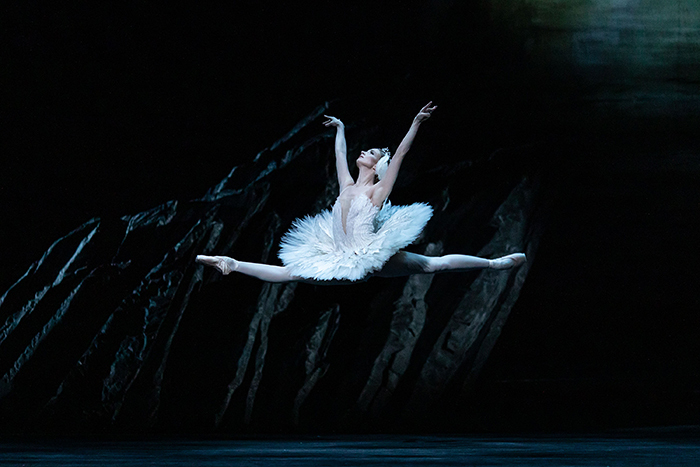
{"points": [[114, 109]]}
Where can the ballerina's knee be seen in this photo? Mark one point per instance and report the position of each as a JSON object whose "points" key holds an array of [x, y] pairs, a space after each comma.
{"points": [[435, 264], [456, 262]]}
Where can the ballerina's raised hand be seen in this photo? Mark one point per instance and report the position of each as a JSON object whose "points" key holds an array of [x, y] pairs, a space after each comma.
{"points": [[332, 121], [425, 112], [324, 249]]}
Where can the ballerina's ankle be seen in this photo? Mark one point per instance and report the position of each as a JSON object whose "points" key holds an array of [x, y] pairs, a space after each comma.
{"points": [[507, 262], [224, 264], [230, 263]]}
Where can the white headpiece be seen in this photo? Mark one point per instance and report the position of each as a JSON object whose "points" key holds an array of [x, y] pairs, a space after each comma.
{"points": [[383, 163]]}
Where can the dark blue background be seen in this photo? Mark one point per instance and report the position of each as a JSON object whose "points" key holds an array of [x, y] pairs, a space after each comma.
{"points": [[113, 109]]}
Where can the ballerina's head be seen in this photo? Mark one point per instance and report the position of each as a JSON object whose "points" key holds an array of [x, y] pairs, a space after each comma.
{"points": [[376, 160]]}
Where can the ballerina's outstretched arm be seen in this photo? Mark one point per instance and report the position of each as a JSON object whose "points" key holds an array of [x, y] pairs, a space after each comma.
{"points": [[341, 152], [386, 184]]}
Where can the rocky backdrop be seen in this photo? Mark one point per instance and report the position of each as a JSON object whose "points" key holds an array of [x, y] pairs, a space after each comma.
{"points": [[117, 329]]}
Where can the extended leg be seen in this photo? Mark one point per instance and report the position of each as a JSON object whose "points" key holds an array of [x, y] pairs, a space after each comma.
{"points": [[266, 272], [405, 263], [466, 262], [456, 263]]}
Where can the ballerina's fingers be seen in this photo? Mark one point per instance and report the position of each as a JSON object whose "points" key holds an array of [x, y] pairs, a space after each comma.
{"points": [[427, 109]]}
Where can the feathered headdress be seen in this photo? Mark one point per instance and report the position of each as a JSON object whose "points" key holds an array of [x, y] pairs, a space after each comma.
{"points": [[383, 163]]}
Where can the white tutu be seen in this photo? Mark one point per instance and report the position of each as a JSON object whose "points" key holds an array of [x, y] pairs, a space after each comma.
{"points": [[317, 247]]}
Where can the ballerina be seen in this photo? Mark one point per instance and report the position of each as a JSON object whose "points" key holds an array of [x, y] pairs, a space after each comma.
{"points": [[362, 235]]}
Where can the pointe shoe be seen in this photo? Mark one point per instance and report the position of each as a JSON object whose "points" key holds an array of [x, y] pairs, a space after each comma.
{"points": [[507, 262], [223, 263]]}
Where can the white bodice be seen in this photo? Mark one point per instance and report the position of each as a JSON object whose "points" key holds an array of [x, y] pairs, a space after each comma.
{"points": [[359, 223], [317, 247]]}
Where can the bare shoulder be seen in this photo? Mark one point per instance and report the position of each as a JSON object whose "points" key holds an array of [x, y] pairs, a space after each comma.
{"points": [[378, 195], [351, 192], [345, 183]]}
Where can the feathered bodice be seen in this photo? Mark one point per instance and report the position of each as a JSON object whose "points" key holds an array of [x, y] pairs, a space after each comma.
{"points": [[318, 247]]}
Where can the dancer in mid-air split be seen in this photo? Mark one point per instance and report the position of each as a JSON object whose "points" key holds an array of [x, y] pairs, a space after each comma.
{"points": [[362, 235]]}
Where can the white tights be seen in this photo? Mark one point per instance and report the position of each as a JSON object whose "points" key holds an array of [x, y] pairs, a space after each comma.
{"points": [[402, 263]]}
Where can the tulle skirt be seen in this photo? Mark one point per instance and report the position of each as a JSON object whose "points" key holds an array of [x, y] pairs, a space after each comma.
{"points": [[317, 247]]}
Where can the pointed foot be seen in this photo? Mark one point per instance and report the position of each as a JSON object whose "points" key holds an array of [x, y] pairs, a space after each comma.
{"points": [[223, 263], [507, 262]]}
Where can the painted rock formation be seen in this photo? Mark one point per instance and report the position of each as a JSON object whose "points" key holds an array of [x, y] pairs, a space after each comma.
{"points": [[117, 329]]}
